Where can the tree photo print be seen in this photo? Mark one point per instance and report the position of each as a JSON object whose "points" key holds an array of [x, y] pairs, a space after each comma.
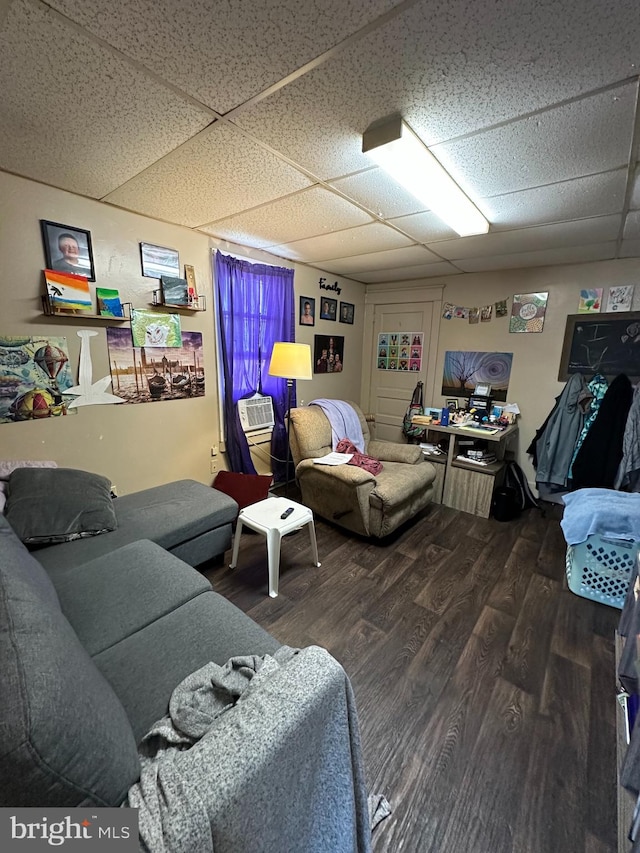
{"points": [[464, 370]]}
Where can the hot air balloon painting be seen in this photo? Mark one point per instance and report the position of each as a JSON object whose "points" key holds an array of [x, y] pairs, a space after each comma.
{"points": [[34, 373]]}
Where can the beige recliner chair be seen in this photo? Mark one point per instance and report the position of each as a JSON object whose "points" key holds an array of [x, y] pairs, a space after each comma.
{"points": [[350, 496]]}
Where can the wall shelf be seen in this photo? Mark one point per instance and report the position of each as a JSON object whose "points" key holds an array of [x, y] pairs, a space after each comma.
{"points": [[199, 304], [49, 310]]}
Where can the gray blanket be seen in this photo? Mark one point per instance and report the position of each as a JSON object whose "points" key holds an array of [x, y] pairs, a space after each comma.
{"points": [[260, 755]]}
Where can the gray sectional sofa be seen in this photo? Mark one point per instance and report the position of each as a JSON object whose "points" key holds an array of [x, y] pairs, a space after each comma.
{"points": [[95, 634]]}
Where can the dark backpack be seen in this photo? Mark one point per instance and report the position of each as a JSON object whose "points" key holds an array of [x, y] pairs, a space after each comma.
{"points": [[414, 408], [515, 479]]}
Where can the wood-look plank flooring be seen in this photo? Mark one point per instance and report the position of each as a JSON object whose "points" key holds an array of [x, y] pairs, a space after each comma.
{"points": [[485, 688]]}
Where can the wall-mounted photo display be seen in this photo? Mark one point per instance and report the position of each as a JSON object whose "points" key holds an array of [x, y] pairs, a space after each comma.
{"points": [[68, 249], [399, 351], [328, 309], [328, 353], [158, 261], [347, 310], [307, 311]]}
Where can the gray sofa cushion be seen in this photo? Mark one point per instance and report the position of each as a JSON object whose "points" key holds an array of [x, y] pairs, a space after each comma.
{"points": [[114, 596], [66, 740], [146, 667], [51, 505], [172, 515]]}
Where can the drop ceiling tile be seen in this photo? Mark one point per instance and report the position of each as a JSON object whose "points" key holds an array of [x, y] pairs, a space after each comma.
{"points": [[577, 199], [408, 273], [406, 257], [546, 257], [342, 244], [451, 68], [222, 53], [376, 190], [294, 217], [629, 249], [214, 175], [632, 226], [576, 139], [579, 233], [634, 204], [424, 227], [74, 114]]}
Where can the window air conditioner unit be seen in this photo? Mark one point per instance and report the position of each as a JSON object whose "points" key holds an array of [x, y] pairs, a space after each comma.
{"points": [[256, 413]]}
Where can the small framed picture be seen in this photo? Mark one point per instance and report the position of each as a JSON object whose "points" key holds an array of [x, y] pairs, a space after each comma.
{"points": [[158, 261], [328, 309], [307, 311], [68, 249], [452, 405], [346, 312]]}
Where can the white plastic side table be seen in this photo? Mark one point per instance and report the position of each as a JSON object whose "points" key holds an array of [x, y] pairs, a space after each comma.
{"points": [[264, 517]]}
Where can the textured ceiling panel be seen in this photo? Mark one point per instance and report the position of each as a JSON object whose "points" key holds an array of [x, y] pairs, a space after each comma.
{"points": [[581, 138], [424, 227], [380, 193], [577, 199], [295, 217], [76, 116], [449, 68], [578, 233], [409, 273], [632, 226], [214, 175], [629, 249], [544, 258], [342, 244], [635, 195], [389, 259], [208, 48]]}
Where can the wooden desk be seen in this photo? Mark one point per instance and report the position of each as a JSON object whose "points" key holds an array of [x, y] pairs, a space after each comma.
{"points": [[466, 485]]}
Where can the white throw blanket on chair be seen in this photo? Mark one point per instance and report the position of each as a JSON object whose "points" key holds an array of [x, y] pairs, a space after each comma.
{"points": [[344, 421]]}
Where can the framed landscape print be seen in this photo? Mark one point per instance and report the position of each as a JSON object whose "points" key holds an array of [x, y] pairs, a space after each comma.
{"points": [[158, 261]]}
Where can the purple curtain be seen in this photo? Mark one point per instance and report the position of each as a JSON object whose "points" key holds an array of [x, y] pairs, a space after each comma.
{"points": [[256, 308]]}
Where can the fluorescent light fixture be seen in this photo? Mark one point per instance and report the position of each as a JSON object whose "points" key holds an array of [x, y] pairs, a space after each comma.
{"points": [[397, 149]]}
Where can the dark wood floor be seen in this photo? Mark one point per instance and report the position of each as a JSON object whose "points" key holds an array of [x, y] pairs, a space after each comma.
{"points": [[484, 686]]}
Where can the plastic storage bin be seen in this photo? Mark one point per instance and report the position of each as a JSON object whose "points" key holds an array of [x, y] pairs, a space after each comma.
{"points": [[600, 568]]}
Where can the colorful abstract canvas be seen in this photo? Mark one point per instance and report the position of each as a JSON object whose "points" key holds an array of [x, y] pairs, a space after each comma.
{"points": [[67, 292], [590, 301], [34, 371], [108, 301], [528, 312], [145, 375], [464, 370]]}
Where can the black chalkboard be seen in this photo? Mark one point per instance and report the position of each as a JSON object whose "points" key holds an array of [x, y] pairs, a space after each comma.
{"points": [[601, 343]]}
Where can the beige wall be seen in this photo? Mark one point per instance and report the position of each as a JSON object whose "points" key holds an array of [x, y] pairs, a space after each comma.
{"points": [[534, 378], [144, 444]]}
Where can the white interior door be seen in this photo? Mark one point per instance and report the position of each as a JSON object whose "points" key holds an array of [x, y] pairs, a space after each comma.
{"points": [[390, 390]]}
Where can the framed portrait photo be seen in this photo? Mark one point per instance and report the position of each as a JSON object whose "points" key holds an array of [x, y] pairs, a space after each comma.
{"points": [[307, 311], [328, 309], [328, 353], [68, 249], [158, 261], [346, 312]]}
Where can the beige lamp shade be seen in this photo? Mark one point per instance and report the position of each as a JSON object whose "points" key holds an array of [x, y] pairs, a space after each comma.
{"points": [[291, 361]]}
